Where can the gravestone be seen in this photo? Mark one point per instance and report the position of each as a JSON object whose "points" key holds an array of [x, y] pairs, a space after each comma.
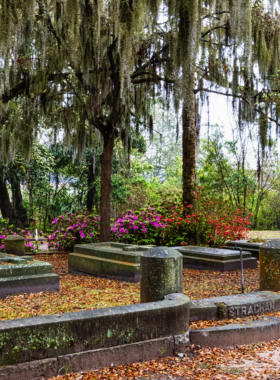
{"points": [[161, 274], [270, 266], [111, 260], [215, 258], [15, 245], [25, 275]]}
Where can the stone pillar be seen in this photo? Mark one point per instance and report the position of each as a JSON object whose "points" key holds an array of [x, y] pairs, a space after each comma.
{"points": [[270, 266], [15, 245], [161, 273]]}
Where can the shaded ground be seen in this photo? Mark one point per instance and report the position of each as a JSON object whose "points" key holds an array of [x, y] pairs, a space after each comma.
{"points": [[256, 361], [89, 292]]}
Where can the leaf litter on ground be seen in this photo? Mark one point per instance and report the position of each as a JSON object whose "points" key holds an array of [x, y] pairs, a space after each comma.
{"points": [[86, 292], [255, 361]]}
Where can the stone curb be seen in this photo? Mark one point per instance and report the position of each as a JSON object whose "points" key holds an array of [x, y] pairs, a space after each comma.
{"points": [[263, 330], [234, 306]]}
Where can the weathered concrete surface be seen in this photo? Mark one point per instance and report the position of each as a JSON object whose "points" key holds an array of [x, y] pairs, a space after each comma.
{"points": [[14, 269], [24, 275], [36, 370], [91, 360], [15, 245], [127, 252], [270, 266], [29, 284], [244, 244], [114, 356], [121, 270], [235, 306], [112, 260], [254, 248], [5, 257], [261, 330], [161, 273], [206, 258], [51, 336]]}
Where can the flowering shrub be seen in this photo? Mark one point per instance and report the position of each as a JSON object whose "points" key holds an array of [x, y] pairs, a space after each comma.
{"points": [[71, 229], [30, 246], [208, 223], [169, 223], [142, 227], [166, 223]]}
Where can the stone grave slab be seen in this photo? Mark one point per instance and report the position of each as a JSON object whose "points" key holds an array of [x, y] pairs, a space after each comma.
{"points": [[22, 274], [112, 260], [214, 258], [253, 247], [234, 306]]}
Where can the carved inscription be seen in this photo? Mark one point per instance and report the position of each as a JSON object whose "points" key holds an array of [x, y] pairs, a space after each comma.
{"points": [[255, 308]]}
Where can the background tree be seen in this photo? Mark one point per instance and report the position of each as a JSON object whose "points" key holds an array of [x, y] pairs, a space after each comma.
{"points": [[98, 65]]}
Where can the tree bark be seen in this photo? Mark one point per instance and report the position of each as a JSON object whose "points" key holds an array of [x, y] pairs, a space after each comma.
{"points": [[189, 33], [19, 212], [91, 192], [106, 159], [189, 151], [5, 204]]}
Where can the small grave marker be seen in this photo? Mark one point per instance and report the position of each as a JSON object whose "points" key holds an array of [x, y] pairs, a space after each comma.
{"points": [[15, 245]]}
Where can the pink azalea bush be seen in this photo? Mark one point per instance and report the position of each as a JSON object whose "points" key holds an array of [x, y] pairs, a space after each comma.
{"points": [[71, 229], [142, 227]]}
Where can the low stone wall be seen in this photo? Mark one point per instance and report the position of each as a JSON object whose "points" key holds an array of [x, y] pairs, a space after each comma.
{"points": [[29, 339]]}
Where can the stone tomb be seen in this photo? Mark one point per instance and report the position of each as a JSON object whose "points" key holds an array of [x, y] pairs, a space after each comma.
{"points": [[247, 245], [112, 260], [23, 275], [214, 258]]}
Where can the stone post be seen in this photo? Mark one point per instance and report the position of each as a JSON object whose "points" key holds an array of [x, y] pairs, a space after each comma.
{"points": [[15, 245], [270, 266], [161, 273]]}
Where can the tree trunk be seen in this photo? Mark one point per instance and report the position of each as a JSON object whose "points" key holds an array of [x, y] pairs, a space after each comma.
{"points": [[189, 33], [189, 151], [5, 204], [19, 211], [91, 183], [106, 159]]}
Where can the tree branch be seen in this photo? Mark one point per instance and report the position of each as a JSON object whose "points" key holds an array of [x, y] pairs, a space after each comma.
{"points": [[155, 78], [224, 26]]}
